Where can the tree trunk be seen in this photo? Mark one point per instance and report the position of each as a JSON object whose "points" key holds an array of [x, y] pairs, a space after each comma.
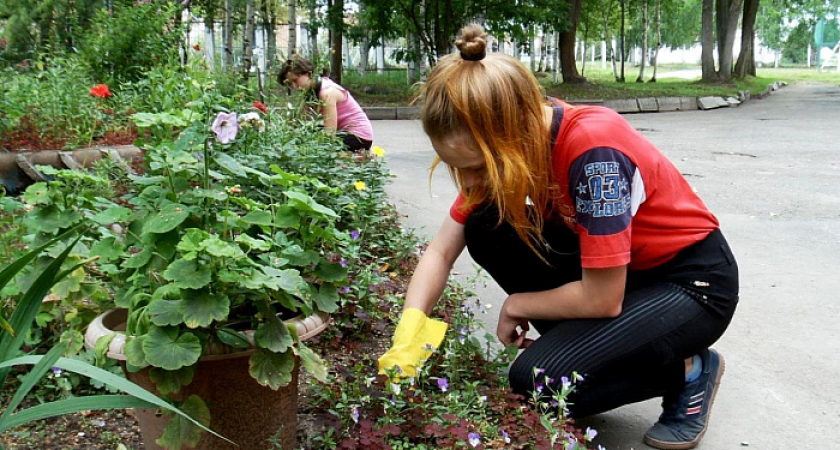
{"points": [[730, 9], [641, 77], [228, 36], [533, 47], [622, 41], [364, 60], [658, 39], [209, 40], [313, 32], [336, 19], [248, 39], [293, 37], [567, 46], [707, 40], [746, 59]]}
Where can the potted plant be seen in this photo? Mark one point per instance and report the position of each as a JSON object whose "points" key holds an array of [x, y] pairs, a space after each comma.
{"points": [[14, 330], [203, 269]]}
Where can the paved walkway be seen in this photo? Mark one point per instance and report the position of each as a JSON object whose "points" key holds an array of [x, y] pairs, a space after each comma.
{"points": [[769, 170]]}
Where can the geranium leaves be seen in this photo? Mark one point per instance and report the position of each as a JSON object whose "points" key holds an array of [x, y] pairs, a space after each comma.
{"points": [[272, 369], [168, 348], [273, 335], [188, 274], [180, 433], [201, 308], [169, 217]]}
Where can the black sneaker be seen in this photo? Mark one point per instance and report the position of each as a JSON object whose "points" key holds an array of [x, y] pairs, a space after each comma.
{"points": [[685, 416]]}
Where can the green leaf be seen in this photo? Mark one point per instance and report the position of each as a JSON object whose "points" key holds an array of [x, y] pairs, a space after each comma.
{"points": [[287, 217], [312, 363], [188, 274], [217, 247], [140, 259], [255, 244], [258, 217], [288, 280], [165, 347], [228, 163], [326, 298], [190, 244], [134, 353], [107, 250], [180, 433], [37, 194], [200, 308], [331, 272], [146, 120], [170, 381], [273, 335], [301, 258], [100, 349], [166, 312], [306, 203], [112, 215], [74, 340], [272, 369], [169, 217], [233, 338]]}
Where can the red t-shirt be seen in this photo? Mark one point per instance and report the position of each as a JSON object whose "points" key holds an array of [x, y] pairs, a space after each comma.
{"points": [[624, 199]]}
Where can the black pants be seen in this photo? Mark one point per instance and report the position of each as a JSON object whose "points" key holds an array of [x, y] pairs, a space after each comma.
{"points": [[354, 143], [669, 313]]}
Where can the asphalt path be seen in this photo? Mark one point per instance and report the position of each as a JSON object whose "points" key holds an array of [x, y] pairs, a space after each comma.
{"points": [[770, 170]]}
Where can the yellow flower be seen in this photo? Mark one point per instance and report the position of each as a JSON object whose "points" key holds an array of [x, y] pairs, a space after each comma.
{"points": [[378, 151], [360, 185]]}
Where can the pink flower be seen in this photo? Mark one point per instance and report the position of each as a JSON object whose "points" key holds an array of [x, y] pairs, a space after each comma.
{"points": [[225, 126]]}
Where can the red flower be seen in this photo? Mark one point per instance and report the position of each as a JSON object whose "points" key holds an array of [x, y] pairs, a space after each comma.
{"points": [[197, 47], [261, 106], [101, 91]]}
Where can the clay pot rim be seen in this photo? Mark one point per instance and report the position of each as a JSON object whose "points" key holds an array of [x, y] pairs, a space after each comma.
{"points": [[307, 328]]}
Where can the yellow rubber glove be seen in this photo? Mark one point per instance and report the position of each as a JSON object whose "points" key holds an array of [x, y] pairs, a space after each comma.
{"points": [[415, 339]]}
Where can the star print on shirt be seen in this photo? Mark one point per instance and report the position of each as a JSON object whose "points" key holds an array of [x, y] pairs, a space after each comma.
{"points": [[581, 188], [623, 185]]}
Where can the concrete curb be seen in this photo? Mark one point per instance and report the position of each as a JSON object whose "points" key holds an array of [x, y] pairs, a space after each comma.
{"points": [[622, 106]]}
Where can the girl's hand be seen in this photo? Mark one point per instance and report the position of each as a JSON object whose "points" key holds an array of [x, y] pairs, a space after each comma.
{"points": [[511, 329]]}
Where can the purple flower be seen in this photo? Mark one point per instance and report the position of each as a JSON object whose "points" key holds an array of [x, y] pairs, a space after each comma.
{"points": [[344, 290], [538, 387], [354, 414], [474, 439], [506, 437], [343, 263], [56, 371], [565, 382], [590, 434], [355, 235], [225, 126], [443, 384], [538, 371]]}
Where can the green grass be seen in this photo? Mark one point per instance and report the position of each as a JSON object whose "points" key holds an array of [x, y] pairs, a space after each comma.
{"points": [[391, 88]]}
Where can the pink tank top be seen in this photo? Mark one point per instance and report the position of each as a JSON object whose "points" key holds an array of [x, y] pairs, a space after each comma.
{"points": [[350, 116]]}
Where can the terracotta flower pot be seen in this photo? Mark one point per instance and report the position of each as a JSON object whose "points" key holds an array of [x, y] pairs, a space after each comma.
{"points": [[240, 408]]}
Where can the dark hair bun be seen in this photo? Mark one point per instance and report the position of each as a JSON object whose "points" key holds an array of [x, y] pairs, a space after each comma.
{"points": [[473, 43]]}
